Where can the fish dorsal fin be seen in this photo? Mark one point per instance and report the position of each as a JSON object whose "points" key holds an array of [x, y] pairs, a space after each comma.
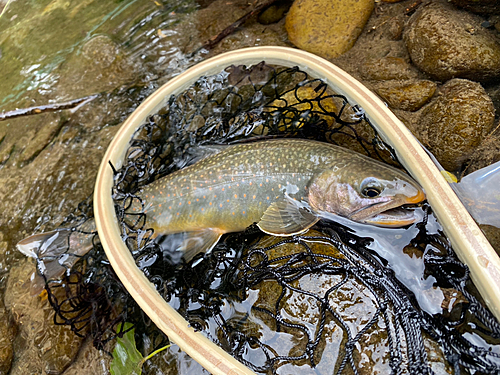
{"points": [[286, 218], [202, 241]]}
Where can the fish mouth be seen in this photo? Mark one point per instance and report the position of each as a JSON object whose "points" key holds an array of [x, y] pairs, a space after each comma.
{"points": [[395, 217], [393, 213]]}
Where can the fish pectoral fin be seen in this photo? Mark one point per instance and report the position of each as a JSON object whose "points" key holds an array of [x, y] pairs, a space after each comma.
{"points": [[202, 241], [286, 218]]}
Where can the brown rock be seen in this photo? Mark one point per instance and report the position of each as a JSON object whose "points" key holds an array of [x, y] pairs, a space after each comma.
{"points": [[479, 6], [6, 338], [274, 13], [493, 235], [52, 347], [406, 95], [455, 122], [327, 28], [388, 68], [486, 154], [447, 43]]}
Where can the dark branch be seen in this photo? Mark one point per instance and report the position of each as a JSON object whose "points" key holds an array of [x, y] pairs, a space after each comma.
{"points": [[45, 108]]}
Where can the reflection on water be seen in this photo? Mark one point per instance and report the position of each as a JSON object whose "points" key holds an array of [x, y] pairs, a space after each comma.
{"points": [[38, 39]]}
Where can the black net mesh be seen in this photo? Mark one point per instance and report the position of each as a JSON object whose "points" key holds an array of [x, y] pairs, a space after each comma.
{"points": [[323, 302]]}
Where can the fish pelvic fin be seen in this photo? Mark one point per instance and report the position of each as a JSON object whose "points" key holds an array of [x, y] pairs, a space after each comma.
{"points": [[286, 218], [202, 241]]}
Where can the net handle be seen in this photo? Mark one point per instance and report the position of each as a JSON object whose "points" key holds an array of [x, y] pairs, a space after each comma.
{"points": [[466, 237]]}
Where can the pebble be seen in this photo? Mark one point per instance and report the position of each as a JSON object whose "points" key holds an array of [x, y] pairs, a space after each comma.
{"points": [[327, 28], [449, 43], [456, 121], [406, 95]]}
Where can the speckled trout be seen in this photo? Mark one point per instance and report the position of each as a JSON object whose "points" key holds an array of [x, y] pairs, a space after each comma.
{"points": [[285, 186]]}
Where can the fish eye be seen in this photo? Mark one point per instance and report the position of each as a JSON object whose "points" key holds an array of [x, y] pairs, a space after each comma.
{"points": [[371, 188], [370, 192]]}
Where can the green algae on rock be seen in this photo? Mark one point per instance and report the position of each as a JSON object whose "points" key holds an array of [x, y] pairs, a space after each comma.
{"points": [[449, 43], [406, 95], [327, 28], [456, 121]]}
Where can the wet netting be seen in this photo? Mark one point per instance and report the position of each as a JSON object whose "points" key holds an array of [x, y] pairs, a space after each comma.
{"points": [[325, 302]]}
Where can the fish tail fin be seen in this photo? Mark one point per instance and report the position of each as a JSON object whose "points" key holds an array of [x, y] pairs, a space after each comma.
{"points": [[56, 252], [48, 244]]}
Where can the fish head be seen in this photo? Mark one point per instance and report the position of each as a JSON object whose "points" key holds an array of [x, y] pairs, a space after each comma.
{"points": [[366, 191]]}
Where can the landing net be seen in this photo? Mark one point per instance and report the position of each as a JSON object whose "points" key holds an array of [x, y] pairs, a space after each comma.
{"points": [[325, 300]]}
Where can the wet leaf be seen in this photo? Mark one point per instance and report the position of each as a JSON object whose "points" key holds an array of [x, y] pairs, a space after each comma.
{"points": [[127, 360]]}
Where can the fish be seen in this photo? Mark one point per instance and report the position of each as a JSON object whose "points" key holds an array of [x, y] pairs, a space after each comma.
{"points": [[285, 186]]}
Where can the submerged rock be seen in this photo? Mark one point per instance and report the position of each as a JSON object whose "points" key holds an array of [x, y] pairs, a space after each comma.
{"points": [[355, 306], [456, 121], [6, 338], [446, 43], [90, 361], [479, 6], [388, 68], [406, 95], [327, 28], [39, 344]]}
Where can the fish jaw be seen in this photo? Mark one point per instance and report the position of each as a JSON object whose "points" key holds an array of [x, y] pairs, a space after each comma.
{"points": [[387, 211], [395, 218]]}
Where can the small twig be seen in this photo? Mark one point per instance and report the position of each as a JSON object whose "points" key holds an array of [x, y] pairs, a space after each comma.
{"points": [[46, 108], [212, 42]]}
